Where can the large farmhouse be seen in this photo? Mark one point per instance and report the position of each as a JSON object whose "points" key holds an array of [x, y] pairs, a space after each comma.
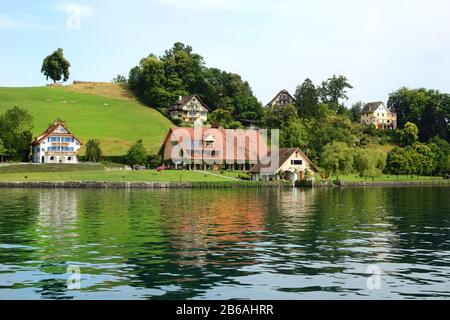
{"points": [[282, 98], [190, 109], [292, 165], [379, 115], [212, 149], [56, 145]]}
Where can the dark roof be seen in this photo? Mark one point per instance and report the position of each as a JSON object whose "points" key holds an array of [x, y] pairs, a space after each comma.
{"points": [[184, 100], [284, 155], [284, 91], [371, 107]]}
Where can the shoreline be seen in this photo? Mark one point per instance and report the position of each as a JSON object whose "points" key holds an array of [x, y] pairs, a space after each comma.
{"points": [[137, 185], [203, 185]]}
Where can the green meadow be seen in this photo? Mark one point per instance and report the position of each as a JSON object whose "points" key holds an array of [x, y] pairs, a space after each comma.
{"points": [[117, 123], [115, 176]]}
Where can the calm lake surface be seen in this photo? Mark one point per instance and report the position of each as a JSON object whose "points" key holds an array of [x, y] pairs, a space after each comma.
{"points": [[224, 244]]}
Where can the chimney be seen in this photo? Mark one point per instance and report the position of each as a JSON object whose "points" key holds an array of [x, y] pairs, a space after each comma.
{"points": [[180, 98]]}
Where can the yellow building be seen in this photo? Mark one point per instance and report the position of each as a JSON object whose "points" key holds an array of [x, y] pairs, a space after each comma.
{"points": [[379, 115]]}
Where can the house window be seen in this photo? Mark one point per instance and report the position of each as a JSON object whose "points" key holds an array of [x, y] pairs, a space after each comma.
{"points": [[209, 143], [297, 162], [174, 143]]}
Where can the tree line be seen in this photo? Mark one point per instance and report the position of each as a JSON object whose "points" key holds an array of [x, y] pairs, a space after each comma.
{"points": [[410, 158]]}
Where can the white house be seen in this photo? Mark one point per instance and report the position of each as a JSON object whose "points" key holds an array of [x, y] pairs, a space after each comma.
{"points": [[56, 145], [293, 165], [379, 115], [190, 109]]}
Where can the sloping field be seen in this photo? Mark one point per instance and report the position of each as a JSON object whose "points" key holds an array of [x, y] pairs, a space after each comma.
{"points": [[117, 121]]}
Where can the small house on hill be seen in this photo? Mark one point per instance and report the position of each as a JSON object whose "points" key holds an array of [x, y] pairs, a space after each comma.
{"points": [[292, 165], [56, 145], [282, 98], [379, 115], [190, 109]]}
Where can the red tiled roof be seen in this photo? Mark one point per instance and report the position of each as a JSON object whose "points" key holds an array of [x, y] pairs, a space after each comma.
{"points": [[237, 149]]}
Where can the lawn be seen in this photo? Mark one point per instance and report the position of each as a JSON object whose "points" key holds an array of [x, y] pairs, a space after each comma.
{"points": [[116, 176], [28, 168], [116, 122]]}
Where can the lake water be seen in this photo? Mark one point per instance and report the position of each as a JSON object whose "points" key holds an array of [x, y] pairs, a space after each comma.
{"points": [[378, 243]]}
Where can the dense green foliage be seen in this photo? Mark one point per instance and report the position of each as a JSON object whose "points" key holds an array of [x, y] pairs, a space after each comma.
{"points": [[15, 134], [337, 159], [56, 67], [428, 109], [408, 135], [94, 151], [369, 163], [159, 81], [137, 155]]}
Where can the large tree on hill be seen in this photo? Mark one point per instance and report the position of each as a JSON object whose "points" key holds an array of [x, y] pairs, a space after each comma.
{"points": [[56, 67], [307, 99], [334, 90]]}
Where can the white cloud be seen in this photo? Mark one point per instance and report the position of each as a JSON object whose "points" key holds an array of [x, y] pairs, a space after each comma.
{"points": [[75, 13]]}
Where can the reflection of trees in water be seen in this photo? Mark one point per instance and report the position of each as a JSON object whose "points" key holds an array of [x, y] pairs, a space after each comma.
{"points": [[423, 224], [329, 223], [186, 242], [17, 225]]}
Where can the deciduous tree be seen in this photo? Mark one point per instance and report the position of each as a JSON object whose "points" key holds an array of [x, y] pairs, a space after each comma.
{"points": [[56, 67]]}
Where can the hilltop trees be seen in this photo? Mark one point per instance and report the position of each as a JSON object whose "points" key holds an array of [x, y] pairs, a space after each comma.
{"points": [[307, 99], [334, 90], [158, 81], [56, 67], [15, 132]]}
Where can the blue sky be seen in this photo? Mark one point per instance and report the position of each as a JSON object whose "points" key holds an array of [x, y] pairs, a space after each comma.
{"points": [[380, 45]]}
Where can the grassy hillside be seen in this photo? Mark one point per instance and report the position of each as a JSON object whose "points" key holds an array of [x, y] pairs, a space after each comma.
{"points": [[117, 121]]}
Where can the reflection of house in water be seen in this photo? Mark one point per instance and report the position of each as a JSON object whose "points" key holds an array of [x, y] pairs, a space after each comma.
{"points": [[206, 226], [58, 209]]}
